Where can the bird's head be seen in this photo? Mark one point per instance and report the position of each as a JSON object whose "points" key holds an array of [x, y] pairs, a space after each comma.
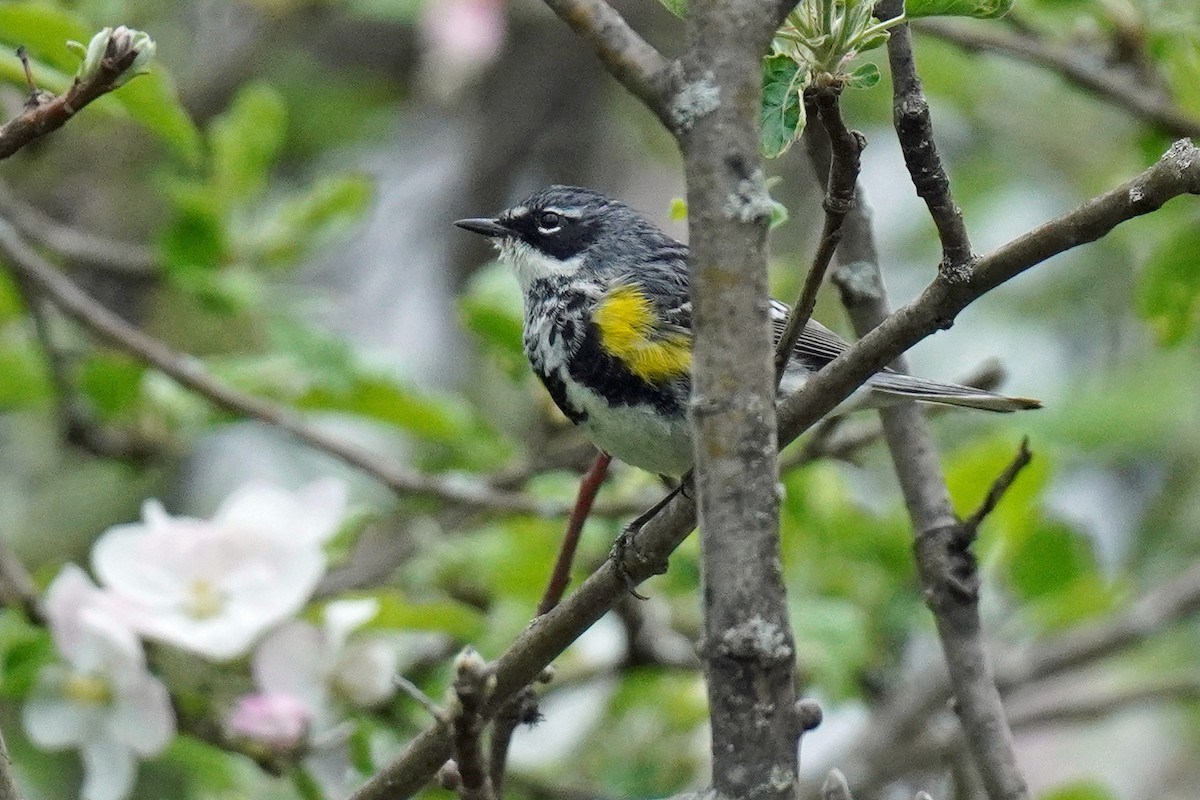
{"points": [[559, 230]]}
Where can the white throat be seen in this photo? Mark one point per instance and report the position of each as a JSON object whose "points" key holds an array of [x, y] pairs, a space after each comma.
{"points": [[531, 264]]}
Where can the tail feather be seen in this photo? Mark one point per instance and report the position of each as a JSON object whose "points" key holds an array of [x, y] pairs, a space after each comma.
{"points": [[909, 387]]}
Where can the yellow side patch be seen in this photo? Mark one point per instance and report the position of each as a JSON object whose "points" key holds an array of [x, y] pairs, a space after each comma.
{"points": [[629, 330]]}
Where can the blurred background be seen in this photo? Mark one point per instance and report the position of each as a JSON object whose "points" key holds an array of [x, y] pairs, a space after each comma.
{"points": [[287, 221]]}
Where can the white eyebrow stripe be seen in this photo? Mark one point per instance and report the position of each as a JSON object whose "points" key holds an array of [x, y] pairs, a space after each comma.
{"points": [[574, 213]]}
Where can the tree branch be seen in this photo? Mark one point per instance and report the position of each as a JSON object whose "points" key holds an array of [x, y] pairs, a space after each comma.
{"points": [[77, 420], [632, 61], [188, 372], [1175, 174], [539, 644], [1105, 83], [1090, 703], [748, 649], [467, 724], [914, 128], [8, 782], [1164, 606], [946, 567], [124, 258], [908, 713], [45, 114], [17, 589], [846, 147]]}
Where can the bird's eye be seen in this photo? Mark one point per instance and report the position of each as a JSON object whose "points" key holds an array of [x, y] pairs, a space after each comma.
{"points": [[549, 221]]}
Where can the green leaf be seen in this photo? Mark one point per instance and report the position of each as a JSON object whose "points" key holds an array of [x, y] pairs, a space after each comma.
{"points": [[246, 141], [112, 382], [1169, 294], [152, 100], [863, 77], [195, 239], [982, 9], [24, 650], [398, 612], [492, 310], [26, 383], [679, 209], [44, 32], [1080, 790], [832, 635], [1050, 559], [782, 115], [11, 306], [206, 766], [677, 7], [435, 418], [305, 220]]}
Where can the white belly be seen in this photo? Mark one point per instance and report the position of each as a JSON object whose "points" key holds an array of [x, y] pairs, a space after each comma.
{"points": [[635, 434]]}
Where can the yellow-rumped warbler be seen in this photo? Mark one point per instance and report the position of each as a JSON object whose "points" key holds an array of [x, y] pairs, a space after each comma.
{"points": [[608, 327]]}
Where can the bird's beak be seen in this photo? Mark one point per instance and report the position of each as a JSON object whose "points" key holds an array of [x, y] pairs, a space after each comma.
{"points": [[483, 226]]}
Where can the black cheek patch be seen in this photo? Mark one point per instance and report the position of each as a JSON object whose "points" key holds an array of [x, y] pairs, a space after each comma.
{"points": [[571, 239]]}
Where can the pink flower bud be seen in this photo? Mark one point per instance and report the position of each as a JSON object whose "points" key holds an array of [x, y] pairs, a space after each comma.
{"points": [[276, 720]]}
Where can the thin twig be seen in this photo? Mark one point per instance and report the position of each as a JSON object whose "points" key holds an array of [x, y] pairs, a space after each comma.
{"points": [[189, 372], [123, 258], [472, 680], [915, 131], [906, 715], [423, 700], [999, 486], [77, 420], [45, 114], [521, 709], [635, 63], [8, 781], [17, 589], [1088, 74], [835, 787], [1163, 606], [846, 148], [1089, 703], [560, 576]]}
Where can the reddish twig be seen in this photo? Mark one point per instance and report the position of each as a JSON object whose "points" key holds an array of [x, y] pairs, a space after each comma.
{"points": [[561, 574]]}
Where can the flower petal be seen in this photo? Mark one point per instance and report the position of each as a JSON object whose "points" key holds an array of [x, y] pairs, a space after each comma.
{"points": [[142, 717], [366, 670], [108, 768], [51, 720], [310, 515], [291, 661], [343, 617]]}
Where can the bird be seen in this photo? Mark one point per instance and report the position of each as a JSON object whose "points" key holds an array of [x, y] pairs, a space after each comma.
{"points": [[608, 327]]}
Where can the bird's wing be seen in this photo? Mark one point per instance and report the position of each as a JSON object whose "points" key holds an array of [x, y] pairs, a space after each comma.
{"points": [[817, 345]]}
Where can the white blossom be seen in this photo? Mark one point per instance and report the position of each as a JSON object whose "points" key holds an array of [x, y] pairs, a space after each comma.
{"points": [[214, 586], [99, 698], [326, 665]]}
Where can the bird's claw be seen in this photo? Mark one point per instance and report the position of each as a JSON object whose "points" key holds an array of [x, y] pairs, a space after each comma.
{"points": [[625, 547]]}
